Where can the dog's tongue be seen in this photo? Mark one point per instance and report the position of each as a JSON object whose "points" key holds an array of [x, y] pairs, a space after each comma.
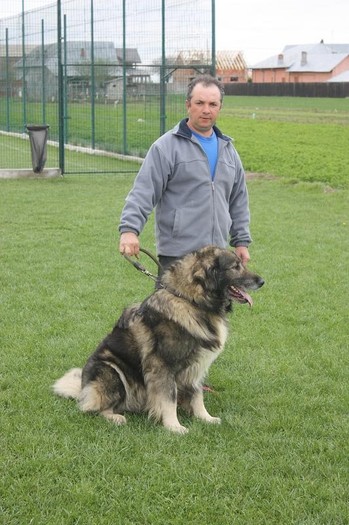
{"points": [[240, 296], [247, 297]]}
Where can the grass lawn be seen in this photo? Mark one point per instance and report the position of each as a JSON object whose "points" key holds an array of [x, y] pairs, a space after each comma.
{"points": [[280, 456], [304, 139]]}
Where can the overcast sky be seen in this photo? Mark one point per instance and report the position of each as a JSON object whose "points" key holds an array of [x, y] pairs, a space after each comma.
{"points": [[259, 28]]}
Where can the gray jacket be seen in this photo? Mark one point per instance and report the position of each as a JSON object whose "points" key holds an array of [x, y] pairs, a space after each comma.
{"points": [[191, 209]]}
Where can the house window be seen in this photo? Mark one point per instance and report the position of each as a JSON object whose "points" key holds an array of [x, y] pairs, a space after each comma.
{"points": [[234, 79]]}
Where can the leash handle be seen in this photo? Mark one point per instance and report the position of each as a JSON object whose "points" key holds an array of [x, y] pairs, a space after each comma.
{"points": [[151, 256], [140, 267]]}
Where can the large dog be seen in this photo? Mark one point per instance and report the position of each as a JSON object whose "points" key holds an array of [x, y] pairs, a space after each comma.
{"points": [[160, 350]]}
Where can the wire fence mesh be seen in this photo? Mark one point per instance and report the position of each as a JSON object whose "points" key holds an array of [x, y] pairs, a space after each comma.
{"points": [[106, 76]]}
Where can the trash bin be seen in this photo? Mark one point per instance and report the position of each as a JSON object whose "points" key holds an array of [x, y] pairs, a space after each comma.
{"points": [[38, 141]]}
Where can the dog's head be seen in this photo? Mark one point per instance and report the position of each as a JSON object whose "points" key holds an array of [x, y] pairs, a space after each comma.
{"points": [[212, 278]]}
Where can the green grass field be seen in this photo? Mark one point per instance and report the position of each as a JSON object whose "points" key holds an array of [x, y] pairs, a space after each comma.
{"points": [[280, 456], [304, 139]]}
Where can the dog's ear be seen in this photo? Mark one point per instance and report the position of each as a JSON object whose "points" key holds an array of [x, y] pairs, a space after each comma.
{"points": [[225, 260], [216, 274], [199, 275], [206, 273]]}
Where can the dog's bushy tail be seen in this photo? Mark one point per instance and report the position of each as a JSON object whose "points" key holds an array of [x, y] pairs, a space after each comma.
{"points": [[69, 385]]}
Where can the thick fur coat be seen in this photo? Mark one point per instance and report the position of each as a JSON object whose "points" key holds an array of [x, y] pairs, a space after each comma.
{"points": [[160, 350]]}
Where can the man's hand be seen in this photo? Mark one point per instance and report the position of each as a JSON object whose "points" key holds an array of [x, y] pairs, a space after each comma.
{"points": [[243, 253], [129, 244]]}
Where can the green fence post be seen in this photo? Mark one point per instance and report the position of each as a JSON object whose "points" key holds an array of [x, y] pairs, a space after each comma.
{"points": [[43, 71], [60, 89], [24, 90], [162, 73], [213, 45], [8, 92], [124, 102], [93, 83], [65, 81]]}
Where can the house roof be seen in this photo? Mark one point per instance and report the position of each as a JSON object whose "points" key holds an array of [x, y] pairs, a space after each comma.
{"points": [[342, 77], [318, 63], [334, 48], [79, 55], [131, 55], [192, 57], [307, 58], [225, 60], [15, 50]]}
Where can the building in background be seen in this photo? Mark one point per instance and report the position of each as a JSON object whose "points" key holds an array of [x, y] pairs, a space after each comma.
{"points": [[231, 67], [108, 71], [303, 63]]}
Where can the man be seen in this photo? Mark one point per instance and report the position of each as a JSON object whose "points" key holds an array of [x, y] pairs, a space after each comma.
{"points": [[193, 177]]}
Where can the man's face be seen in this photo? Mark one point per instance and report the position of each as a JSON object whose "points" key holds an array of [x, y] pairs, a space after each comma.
{"points": [[203, 108]]}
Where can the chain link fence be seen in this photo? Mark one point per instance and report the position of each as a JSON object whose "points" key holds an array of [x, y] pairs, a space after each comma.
{"points": [[106, 77]]}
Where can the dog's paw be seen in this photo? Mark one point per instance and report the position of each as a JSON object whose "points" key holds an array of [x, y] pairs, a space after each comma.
{"points": [[178, 429], [214, 420], [118, 419]]}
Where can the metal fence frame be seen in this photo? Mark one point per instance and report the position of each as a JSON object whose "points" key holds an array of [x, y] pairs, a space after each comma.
{"points": [[165, 68]]}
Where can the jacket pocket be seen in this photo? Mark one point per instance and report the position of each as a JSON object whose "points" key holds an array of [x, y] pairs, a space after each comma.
{"points": [[177, 228], [192, 222]]}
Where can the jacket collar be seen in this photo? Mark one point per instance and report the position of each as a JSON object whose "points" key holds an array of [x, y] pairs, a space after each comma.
{"points": [[183, 130]]}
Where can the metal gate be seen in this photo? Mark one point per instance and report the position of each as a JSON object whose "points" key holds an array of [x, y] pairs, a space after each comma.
{"points": [[107, 77]]}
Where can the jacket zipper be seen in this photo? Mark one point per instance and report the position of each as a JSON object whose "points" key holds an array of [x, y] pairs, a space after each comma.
{"points": [[213, 209], [213, 190]]}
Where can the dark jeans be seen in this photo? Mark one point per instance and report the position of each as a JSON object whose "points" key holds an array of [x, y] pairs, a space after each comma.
{"points": [[165, 262]]}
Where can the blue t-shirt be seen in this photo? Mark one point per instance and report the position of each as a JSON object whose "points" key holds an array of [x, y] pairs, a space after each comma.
{"points": [[210, 147]]}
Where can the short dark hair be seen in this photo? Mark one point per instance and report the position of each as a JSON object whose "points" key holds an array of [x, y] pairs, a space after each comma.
{"points": [[206, 80]]}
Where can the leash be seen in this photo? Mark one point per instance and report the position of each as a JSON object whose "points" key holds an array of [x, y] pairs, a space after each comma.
{"points": [[140, 267]]}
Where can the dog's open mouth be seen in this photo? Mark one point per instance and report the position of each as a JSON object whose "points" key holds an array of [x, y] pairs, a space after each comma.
{"points": [[239, 295]]}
